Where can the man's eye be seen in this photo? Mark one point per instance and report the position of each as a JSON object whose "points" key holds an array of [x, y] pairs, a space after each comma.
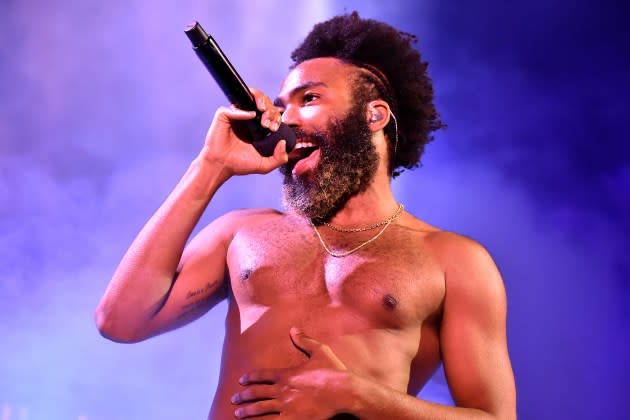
{"points": [[309, 97]]}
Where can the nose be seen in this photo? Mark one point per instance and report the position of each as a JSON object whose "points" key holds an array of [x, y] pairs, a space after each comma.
{"points": [[290, 116]]}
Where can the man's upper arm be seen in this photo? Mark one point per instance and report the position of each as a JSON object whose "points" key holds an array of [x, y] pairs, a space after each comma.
{"points": [[473, 330], [200, 280]]}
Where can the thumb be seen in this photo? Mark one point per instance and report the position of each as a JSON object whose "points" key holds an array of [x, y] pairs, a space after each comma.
{"points": [[303, 342], [279, 157]]}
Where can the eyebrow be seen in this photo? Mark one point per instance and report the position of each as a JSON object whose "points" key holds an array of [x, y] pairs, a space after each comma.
{"points": [[306, 85]]}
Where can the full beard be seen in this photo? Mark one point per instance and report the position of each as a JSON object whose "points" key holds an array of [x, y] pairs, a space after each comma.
{"points": [[347, 165]]}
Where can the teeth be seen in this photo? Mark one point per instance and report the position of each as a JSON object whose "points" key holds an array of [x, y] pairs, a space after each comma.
{"points": [[305, 144]]}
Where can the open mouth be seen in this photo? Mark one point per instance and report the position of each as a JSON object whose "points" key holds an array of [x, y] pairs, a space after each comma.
{"points": [[303, 158], [301, 151]]}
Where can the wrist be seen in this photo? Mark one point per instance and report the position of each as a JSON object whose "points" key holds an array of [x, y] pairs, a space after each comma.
{"points": [[203, 177], [209, 161], [350, 393]]}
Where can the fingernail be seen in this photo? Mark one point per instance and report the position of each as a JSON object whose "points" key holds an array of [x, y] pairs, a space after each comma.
{"points": [[238, 412], [266, 122], [242, 380], [235, 399]]}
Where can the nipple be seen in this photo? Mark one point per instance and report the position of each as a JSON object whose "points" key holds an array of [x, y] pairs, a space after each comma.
{"points": [[245, 274], [389, 302]]}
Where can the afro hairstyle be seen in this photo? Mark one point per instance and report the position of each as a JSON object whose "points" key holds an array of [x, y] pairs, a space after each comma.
{"points": [[395, 73]]}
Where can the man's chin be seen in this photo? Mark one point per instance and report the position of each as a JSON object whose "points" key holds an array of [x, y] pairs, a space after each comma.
{"points": [[297, 198], [293, 200]]}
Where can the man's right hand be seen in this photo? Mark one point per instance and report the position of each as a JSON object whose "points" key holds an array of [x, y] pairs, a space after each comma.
{"points": [[234, 154]]}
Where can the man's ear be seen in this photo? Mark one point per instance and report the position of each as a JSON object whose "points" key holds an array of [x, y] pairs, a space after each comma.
{"points": [[377, 114]]}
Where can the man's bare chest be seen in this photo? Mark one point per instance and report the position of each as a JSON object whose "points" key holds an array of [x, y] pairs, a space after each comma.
{"points": [[392, 282]]}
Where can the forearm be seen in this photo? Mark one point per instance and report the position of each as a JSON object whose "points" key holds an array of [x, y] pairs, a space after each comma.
{"points": [[145, 274], [369, 400]]}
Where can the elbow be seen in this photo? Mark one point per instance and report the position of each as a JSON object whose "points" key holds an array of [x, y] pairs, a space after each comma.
{"points": [[506, 413], [112, 328]]}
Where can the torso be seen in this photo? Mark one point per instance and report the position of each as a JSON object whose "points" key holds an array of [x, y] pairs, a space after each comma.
{"points": [[378, 308]]}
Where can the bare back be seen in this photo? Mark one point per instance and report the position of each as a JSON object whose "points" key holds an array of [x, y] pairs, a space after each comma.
{"points": [[372, 307]]}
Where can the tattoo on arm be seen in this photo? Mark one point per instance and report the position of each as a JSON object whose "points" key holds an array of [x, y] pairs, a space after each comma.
{"points": [[196, 299]]}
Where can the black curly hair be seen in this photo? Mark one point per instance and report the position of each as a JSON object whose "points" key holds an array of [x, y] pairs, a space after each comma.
{"points": [[393, 72]]}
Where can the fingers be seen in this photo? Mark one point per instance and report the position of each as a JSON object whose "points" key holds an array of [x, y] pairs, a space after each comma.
{"points": [[233, 113], [271, 116], [279, 157], [303, 342], [257, 409], [261, 376], [261, 394], [230, 141], [254, 393]]}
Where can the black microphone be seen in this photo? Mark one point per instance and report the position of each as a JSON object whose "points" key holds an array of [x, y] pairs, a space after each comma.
{"points": [[232, 85]]}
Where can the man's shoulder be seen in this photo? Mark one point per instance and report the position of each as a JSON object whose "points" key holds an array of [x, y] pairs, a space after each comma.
{"points": [[439, 238], [254, 213], [465, 261], [452, 241], [456, 248], [242, 218], [450, 247]]}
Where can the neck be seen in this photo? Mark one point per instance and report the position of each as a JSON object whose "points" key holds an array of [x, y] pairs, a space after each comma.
{"points": [[371, 206]]}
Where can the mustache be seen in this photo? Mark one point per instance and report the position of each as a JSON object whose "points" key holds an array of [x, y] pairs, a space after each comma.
{"points": [[318, 137], [299, 133]]}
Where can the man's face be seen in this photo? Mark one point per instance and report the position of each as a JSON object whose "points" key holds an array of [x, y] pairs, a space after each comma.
{"points": [[334, 158]]}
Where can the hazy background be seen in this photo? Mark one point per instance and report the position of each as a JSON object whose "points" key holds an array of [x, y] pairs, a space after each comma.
{"points": [[103, 105]]}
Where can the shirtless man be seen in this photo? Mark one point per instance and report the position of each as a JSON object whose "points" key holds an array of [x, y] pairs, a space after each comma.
{"points": [[344, 305]]}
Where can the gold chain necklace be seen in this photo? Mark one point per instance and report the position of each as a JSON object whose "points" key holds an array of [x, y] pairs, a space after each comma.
{"points": [[371, 227], [385, 222]]}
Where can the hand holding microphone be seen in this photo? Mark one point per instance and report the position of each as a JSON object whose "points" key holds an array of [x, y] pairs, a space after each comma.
{"points": [[232, 85]]}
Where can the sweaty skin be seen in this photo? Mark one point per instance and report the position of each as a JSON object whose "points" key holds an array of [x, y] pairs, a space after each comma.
{"points": [[371, 307], [386, 315]]}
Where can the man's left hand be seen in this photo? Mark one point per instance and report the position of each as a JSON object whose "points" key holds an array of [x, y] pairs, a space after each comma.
{"points": [[309, 390]]}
